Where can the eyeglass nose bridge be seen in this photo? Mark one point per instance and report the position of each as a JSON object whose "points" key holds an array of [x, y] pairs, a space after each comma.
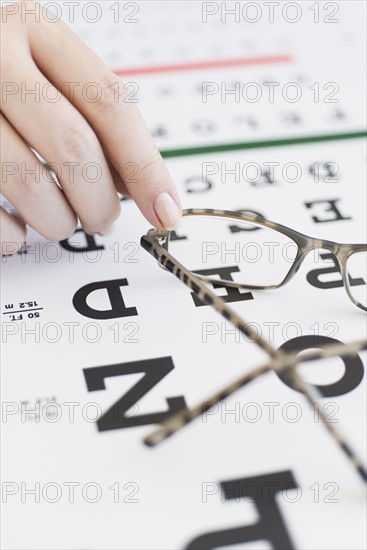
{"points": [[318, 245], [308, 245]]}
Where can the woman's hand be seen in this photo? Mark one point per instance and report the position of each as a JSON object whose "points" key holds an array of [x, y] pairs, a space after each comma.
{"points": [[59, 99]]}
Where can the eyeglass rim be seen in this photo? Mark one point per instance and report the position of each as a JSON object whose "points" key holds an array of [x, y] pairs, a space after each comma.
{"points": [[305, 244]]}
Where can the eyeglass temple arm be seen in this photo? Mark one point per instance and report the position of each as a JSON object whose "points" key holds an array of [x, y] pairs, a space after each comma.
{"points": [[160, 253], [284, 362], [180, 419]]}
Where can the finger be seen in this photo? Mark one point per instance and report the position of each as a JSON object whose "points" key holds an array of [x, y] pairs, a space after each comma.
{"points": [[119, 184], [116, 121], [30, 188], [12, 233], [60, 134]]}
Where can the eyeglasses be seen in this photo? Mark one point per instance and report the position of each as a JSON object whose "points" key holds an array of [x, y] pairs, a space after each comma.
{"points": [[264, 254], [282, 246]]}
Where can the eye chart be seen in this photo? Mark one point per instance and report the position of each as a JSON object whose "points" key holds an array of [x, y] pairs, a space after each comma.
{"points": [[259, 109]]}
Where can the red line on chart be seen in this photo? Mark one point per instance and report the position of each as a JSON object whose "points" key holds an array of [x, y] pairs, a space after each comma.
{"points": [[202, 65]]}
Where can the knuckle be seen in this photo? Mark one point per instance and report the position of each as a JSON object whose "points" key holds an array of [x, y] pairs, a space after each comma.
{"points": [[79, 142], [23, 179], [31, 181], [150, 167], [114, 96]]}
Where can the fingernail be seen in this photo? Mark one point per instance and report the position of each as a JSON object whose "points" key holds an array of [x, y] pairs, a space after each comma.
{"points": [[167, 211]]}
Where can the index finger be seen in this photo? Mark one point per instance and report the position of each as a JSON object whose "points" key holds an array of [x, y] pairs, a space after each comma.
{"points": [[118, 123]]}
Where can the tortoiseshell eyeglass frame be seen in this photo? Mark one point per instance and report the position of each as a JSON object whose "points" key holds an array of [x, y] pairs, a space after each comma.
{"points": [[305, 245], [284, 362]]}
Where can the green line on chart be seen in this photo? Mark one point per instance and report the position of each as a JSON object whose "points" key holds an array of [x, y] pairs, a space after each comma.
{"points": [[259, 144], [255, 144]]}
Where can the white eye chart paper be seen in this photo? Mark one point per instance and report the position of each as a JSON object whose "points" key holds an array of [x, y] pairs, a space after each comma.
{"points": [[261, 109]]}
